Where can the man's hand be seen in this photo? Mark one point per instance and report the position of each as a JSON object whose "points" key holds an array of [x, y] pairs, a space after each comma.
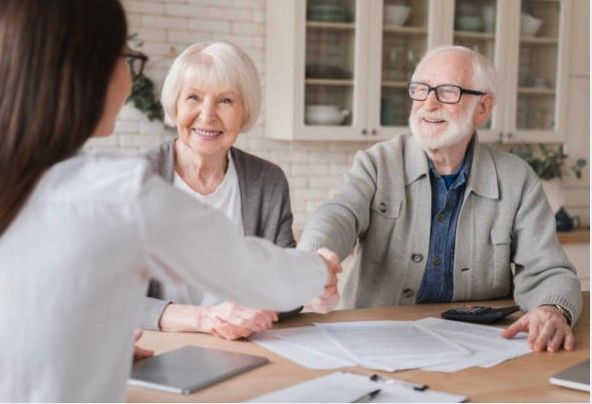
{"points": [[140, 353], [226, 320], [547, 329], [330, 297]]}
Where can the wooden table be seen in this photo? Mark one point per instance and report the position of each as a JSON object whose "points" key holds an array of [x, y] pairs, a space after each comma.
{"points": [[525, 379]]}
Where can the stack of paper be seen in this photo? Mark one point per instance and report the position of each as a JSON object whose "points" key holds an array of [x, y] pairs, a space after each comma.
{"points": [[431, 344]]}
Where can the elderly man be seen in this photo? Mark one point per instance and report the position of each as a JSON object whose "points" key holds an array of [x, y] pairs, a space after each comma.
{"points": [[440, 217]]}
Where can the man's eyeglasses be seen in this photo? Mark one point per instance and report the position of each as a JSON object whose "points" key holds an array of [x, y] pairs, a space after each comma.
{"points": [[445, 93], [136, 61]]}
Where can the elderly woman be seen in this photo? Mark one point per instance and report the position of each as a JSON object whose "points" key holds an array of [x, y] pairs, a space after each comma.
{"points": [[212, 94]]}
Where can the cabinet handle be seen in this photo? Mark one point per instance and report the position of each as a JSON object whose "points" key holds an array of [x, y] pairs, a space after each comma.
{"points": [[373, 132], [509, 135], [364, 132], [500, 137]]}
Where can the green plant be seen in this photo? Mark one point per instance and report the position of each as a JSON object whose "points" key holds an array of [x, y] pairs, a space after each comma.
{"points": [[549, 162], [142, 95]]}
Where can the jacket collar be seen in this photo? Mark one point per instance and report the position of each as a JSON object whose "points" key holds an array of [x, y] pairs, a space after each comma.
{"points": [[482, 178]]}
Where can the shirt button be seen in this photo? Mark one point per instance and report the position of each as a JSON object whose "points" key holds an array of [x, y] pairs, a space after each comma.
{"points": [[440, 217], [382, 207], [437, 261], [417, 257], [465, 269], [408, 292]]}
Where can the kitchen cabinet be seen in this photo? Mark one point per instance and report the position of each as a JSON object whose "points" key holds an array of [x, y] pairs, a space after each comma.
{"points": [[337, 69]]}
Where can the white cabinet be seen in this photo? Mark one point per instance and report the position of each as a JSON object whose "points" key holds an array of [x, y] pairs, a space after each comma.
{"points": [[337, 69]]}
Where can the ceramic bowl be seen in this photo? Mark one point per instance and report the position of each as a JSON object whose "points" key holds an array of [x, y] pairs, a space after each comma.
{"points": [[529, 25], [396, 14], [322, 114], [469, 23]]}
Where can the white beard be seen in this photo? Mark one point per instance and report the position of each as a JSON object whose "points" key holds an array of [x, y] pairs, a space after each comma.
{"points": [[456, 132]]}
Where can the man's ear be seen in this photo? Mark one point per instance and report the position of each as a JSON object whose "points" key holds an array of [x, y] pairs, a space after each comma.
{"points": [[483, 110]]}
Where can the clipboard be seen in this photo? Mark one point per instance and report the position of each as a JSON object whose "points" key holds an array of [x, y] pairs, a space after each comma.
{"points": [[350, 387]]}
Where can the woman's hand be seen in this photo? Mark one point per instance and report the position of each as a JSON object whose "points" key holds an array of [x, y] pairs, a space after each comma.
{"points": [[140, 353], [226, 320], [330, 297]]}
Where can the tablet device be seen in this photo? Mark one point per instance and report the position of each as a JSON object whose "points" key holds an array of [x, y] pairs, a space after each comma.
{"points": [[188, 369], [575, 377]]}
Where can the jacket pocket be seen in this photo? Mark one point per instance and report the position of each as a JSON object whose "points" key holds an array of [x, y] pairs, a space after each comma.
{"points": [[502, 245], [383, 219]]}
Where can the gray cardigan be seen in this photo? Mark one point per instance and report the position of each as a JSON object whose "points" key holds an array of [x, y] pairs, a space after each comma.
{"points": [[505, 239], [265, 203]]}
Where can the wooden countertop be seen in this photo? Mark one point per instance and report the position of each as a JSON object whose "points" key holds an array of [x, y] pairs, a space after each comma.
{"points": [[524, 379], [576, 236]]}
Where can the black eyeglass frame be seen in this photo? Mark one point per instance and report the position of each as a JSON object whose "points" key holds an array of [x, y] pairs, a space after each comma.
{"points": [[132, 55], [435, 89]]}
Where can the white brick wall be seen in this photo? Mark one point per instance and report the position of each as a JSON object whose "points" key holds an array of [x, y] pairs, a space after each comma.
{"points": [[169, 26]]}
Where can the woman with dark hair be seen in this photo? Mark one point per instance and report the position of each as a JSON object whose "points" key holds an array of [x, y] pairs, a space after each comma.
{"points": [[81, 234]]}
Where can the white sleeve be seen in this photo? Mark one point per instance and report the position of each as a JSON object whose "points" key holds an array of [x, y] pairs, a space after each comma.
{"points": [[186, 241]]}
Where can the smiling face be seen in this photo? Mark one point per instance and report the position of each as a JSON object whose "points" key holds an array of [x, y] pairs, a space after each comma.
{"points": [[209, 119], [437, 125]]}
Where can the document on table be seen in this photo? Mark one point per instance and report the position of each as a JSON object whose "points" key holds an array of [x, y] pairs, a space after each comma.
{"points": [[392, 345], [488, 347], [349, 387], [431, 344]]}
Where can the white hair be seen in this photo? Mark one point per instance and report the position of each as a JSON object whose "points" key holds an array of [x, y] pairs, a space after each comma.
{"points": [[484, 75], [217, 64]]}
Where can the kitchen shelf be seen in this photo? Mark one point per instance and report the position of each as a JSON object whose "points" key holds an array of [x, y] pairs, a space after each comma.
{"points": [[484, 36], [397, 84], [536, 91], [329, 82], [577, 236], [398, 29], [533, 40], [338, 26]]}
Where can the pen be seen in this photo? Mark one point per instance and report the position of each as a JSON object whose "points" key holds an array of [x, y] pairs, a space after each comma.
{"points": [[416, 387], [367, 397]]}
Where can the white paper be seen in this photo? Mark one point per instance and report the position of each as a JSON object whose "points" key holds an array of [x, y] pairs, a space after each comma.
{"points": [[347, 387], [306, 346], [392, 345]]}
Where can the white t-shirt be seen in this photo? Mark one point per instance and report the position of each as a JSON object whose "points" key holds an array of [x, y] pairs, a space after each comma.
{"points": [[75, 265], [226, 198]]}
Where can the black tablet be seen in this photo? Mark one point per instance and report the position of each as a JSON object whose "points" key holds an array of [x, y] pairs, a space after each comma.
{"points": [[188, 369]]}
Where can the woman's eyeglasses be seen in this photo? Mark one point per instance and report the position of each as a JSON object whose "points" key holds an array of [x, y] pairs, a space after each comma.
{"points": [[136, 61]]}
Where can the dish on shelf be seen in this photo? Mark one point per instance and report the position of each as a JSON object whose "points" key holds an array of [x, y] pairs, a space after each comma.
{"points": [[326, 12], [396, 14], [325, 114], [321, 71], [469, 23], [529, 25]]}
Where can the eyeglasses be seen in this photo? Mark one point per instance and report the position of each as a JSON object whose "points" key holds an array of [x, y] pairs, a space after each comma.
{"points": [[445, 93], [136, 61]]}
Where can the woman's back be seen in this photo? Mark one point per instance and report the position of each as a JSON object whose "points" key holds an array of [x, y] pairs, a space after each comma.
{"points": [[72, 272]]}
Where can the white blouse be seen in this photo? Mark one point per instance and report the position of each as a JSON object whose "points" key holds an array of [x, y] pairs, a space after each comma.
{"points": [[75, 265]]}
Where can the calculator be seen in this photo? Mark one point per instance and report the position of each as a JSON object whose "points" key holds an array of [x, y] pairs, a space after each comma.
{"points": [[479, 314]]}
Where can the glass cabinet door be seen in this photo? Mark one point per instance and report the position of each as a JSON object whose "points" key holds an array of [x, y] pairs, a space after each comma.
{"points": [[538, 65], [475, 28], [329, 62], [404, 41]]}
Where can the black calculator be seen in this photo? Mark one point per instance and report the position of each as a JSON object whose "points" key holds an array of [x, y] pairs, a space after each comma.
{"points": [[479, 314]]}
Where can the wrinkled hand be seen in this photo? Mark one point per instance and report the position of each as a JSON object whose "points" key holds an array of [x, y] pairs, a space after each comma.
{"points": [[330, 296], [140, 353], [547, 330], [232, 321]]}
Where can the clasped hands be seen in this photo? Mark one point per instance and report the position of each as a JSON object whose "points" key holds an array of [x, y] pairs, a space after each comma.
{"points": [[232, 321]]}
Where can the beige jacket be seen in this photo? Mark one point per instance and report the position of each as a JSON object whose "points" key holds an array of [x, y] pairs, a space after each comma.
{"points": [[505, 238]]}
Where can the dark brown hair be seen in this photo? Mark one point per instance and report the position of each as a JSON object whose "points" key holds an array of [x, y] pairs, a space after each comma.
{"points": [[56, 61]]}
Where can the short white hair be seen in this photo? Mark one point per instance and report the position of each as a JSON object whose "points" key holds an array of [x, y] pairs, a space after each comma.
{"points": [[217, 64], [484, 75]]}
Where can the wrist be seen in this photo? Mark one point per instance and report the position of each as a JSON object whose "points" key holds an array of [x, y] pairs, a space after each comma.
{"points": [[564, 312]]}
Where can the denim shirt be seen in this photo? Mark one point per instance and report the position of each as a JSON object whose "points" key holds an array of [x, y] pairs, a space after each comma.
{"points": [[437, 283]]}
